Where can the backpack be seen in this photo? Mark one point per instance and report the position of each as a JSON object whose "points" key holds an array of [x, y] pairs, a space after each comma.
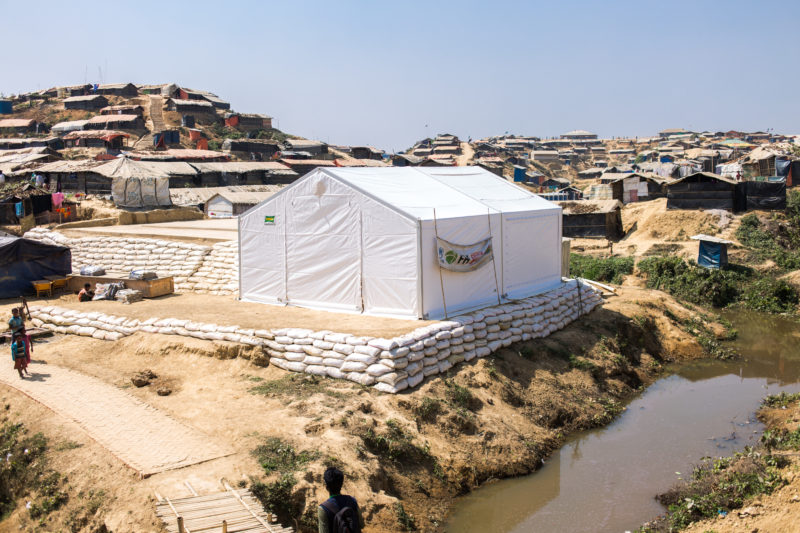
{"points": [[345, 520]]}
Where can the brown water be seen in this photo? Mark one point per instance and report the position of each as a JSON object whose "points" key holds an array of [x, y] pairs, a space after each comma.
{"points": [[606, 479]]}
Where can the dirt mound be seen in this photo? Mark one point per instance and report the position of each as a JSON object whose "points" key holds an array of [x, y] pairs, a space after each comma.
{"points": [[652, 220]]}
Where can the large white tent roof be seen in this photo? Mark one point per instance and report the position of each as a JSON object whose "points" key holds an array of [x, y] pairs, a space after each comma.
{"points": [[451, 192]]}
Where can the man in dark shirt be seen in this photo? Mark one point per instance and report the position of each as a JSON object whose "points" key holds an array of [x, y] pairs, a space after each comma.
{"points": [[334, 479]]}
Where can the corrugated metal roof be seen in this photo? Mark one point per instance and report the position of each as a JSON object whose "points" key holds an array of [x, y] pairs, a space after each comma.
{"points": [[124, 167], [104, 119], [199, 195], [16, 123], [575, 207], [87, 98], [92, 134], [70, 165], [244, 197], [241, 167], [70, 125]]}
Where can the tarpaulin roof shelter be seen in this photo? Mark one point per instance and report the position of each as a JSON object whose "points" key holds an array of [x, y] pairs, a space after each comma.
{"points": [[365, 240], [141, 183], [24, 260], [701, 190]]}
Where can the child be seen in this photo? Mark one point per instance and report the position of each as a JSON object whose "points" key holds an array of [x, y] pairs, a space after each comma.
{"points": [[18, 355]]}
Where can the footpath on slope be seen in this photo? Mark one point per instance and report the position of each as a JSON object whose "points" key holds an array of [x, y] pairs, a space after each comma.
{"points": [[141, 436]]}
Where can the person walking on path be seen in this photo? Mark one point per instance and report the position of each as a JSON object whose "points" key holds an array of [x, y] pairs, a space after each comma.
{"points": [[18, 355], [339, 513]]}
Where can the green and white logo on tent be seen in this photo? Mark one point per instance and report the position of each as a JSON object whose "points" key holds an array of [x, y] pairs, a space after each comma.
{"points": [[269, 220]]}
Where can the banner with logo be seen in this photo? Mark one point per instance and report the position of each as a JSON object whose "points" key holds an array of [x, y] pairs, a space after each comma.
{"points": [[463, 258]]}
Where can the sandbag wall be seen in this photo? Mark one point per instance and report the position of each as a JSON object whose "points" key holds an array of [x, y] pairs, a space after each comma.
{"points": [[194, 267], [389, 365]]}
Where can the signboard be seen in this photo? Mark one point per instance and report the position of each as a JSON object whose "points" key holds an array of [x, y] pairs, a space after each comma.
{"points": [[269, 220], [463, 258]]}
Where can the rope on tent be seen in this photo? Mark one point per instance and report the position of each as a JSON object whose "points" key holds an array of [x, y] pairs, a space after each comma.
{"points": [[494, 265], [441, 278]]}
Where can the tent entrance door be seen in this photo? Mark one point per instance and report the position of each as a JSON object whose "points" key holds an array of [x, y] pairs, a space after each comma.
{"points": [[323, 253]]}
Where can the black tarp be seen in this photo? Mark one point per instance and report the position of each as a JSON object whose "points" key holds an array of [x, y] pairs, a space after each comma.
{"points": [[766, 195], [700, 192], [24, 260], [782, 167], [606, 225]]}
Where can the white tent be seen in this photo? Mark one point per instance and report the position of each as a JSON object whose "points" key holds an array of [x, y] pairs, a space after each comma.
{"points": [[365, 240]]}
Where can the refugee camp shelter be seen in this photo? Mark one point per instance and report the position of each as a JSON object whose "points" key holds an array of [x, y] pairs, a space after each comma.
{"points": [[142, 183], [713, 252], [701, 190], [592, 218], [408, 241], [227, 204], [25, 260], [89, 102]]}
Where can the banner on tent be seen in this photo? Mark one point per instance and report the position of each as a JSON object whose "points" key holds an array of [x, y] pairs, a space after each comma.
{"points": [[463, 258]]}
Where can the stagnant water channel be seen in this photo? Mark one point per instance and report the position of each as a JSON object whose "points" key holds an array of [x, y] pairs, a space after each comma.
{"points": [[606, 479]]}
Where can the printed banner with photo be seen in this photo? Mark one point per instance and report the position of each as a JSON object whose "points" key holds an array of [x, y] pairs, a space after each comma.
{"points": [[463, 258]]}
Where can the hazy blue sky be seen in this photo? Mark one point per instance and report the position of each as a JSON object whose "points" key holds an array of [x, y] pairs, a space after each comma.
{"points": [[372, 72]]}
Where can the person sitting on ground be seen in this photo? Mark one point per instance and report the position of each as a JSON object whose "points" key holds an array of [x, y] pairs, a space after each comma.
{"points": [[18, 355], [86, 293], [339, 513], [16, 323]]}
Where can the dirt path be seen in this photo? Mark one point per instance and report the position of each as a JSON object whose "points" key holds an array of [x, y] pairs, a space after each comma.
{"points": [[141, 436], [467, 153]]}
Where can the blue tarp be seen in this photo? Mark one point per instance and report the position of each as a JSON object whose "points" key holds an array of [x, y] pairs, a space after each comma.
{"points": [[712, 254], [24, 260]]}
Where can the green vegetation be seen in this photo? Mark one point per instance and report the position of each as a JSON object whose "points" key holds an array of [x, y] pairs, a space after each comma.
{"points": [[395, 444], [777, 240], [405, 520], [24, 471], [719, 288], [276, 497], [275, 455], [781, 439], [717, 487], [459, 397], [781, 400], [581, 364], [428, 409], [610, 269], [296, 386]]}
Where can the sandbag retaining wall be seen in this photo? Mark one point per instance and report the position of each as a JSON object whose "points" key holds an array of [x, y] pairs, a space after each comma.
{"points": [[194, 267], [389, 365]]}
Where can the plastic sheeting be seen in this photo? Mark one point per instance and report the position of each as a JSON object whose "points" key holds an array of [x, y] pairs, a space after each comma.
{"points": [[364, 240], [765, 195], [141, 192], [24, 260], [712, 255]]}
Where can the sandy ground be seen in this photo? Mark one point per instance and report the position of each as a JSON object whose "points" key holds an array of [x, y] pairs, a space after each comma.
{"points": [[210, 230], [467, 153], [521, 409], [224, 310]]}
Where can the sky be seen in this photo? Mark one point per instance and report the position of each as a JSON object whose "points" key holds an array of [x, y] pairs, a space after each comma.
{"points": [[387, 74]]}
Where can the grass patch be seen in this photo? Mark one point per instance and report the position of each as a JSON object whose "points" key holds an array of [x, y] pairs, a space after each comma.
{"points": [[609, 269], [276, 497], [775, 241], [781, 400], [404, 520], [718, 486], [428, 409], [581, 363], [297, 386], [735, 285], [396, 445], [24, 472], [781, 439], [276, 455], [459, 397]]}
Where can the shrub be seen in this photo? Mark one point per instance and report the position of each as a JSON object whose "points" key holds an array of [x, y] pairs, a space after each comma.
{"points": [[277, 455], [609, 269]]}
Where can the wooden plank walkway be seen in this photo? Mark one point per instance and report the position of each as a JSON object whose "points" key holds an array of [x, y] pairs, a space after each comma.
{"points": [[238, 508]]}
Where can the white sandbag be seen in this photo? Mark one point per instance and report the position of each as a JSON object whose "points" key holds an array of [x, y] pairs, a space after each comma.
{"points": [[246, 339], [443, 354], [298, 333], [311, 350], [456, 349], [430, 352], [377, 370], [113, 335], [294, 366], [391, 389], [415, 356], [413, 368], [430, 361], [361, 379], [361, 358], [294, 348], [346, 349], [396, 364], [469, 355], [383, 344], [429, 341], [275, 345], [86, 331], [442, 335], [367, 350], [416, 379], [417, 346], [282, 339], [336, 338], [323, 345], [294, 356], [313, 360], [263, 334], [456, 359], [353, 366], [99, 334], [319, 335], [334, 373], [330, 361], [316, 370], [430, 370]]}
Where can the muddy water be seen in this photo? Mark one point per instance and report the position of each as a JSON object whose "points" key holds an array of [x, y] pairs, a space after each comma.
{"points": [[605, 479]]}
